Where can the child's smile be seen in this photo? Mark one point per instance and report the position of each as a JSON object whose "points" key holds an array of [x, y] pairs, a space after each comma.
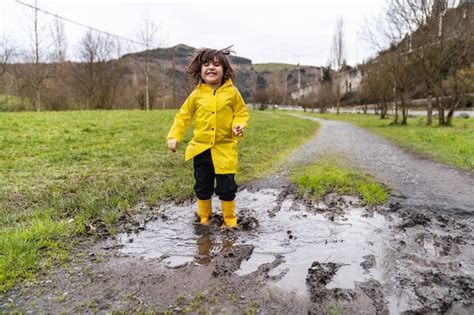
{"points": [[212, 73]]}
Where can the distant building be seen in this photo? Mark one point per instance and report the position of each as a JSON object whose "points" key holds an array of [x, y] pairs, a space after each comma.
{"points": [[347, 81]]}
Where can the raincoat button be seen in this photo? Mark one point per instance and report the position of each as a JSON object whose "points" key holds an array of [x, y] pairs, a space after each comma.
{"points": [[213, 112], [212, 128]]}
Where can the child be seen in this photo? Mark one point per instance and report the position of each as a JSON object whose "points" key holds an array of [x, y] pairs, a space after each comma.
{"points": [[220, 116]]}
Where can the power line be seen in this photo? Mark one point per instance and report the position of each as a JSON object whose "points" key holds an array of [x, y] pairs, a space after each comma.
{"points": [[80, 24]]}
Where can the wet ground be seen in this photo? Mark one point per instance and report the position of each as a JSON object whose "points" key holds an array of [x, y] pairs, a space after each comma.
{"points": [[414, 255], [289, 255]]}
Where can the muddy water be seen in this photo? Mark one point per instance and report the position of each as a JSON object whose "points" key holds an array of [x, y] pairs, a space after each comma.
{"points": [[332, 253], [349, 235]]}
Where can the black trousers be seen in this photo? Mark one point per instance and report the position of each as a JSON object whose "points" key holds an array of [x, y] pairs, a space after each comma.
{"points": [[204, 177]]}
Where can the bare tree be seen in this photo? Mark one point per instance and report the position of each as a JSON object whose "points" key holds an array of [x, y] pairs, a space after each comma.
{"points": [[147, 35], [458, 85], [337, 58], [325, 96], [388, 34], [39, 44], [97, 78], [376, 87], [7, 52], [260, 97], [338, 46], [7, 49], [433, 34], [58, 36]]}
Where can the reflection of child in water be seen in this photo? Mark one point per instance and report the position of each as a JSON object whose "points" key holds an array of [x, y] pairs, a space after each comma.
{"points": [[220, 116], [204, 248]]}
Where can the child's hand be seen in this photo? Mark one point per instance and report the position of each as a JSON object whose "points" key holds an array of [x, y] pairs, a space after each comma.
{"points": [[172, 144], [238, 131]]}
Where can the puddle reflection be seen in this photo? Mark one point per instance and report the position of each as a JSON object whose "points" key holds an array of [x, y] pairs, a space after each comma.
{"points": [[300, 235], [207, 248]]}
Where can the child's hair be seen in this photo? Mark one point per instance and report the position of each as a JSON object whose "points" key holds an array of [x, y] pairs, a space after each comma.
{"points": [[205, 55]]}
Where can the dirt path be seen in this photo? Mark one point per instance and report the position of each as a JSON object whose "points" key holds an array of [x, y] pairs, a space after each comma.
{"points": [[289, 256], [417, 182]]}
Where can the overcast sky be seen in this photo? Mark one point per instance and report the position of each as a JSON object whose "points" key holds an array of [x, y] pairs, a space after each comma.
{"points": [[261, 30]]}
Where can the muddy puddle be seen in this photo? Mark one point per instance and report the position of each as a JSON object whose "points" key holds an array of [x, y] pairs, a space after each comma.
{"points": [[288, 256], [277, 225], [336, 252]]}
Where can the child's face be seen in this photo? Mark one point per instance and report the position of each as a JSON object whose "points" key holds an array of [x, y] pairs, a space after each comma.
{"points": [[212, 73]]}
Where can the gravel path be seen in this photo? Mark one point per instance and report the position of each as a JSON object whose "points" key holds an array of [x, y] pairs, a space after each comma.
{"points": [[417, 183]]}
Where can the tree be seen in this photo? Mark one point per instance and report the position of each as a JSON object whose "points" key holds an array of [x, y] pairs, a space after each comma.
{"points": [[388, 35], [59, 41], [338, 46], [325, 95], [376, 86], [400, 74], [7, 51], [458, 85], [97, 78], [434, 35], [338, 57], [147, 35], [37, 58]]}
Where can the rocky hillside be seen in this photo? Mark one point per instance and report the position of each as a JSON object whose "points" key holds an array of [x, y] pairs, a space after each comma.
{"points": [[249, 77]]}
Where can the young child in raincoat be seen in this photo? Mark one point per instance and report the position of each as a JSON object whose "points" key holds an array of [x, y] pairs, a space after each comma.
{"points": [[220, 116]]}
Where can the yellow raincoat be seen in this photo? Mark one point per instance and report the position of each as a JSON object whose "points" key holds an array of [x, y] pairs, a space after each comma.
{"points": [[216, 113]]}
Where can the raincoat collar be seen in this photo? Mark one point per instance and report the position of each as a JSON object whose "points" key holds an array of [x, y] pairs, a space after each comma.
{"points": [[204, 86]]}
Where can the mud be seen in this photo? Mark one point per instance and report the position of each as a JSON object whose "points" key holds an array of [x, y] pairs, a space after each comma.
{"points": [[289, 255]]}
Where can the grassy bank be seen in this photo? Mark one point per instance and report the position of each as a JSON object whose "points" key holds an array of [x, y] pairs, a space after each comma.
{"points": [[452, 145], [329, 175], [65, 173]]}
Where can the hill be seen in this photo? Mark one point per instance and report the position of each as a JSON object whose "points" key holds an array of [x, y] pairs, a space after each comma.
{"points": [[172, 74], [272, 66]]}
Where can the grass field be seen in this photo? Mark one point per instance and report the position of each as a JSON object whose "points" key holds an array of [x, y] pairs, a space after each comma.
{"points": [[61, 172], [452, 145], [330, 175]]}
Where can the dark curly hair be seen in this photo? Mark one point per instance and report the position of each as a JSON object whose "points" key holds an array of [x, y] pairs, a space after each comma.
{"points": [[206, 55]]}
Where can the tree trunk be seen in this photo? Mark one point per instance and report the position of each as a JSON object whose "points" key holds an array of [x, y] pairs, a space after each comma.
{"points": [[38, 99], [147, 97], [147, 72], [404, 109], [337, 107], [439, 105], [429, 110], [449, 118], [395, 120], [383, 110]]}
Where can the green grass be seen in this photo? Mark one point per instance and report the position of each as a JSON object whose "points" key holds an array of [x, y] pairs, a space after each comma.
{"points": [[452, 145], [261, 67], [63, 172], [329, 175]]}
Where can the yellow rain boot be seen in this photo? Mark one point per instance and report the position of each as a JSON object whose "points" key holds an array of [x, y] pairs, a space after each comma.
{"points": [[230, 220], [204, 210]]}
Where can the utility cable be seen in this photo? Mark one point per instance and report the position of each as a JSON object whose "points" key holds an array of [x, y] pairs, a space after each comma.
{"points": [[80, 24]]}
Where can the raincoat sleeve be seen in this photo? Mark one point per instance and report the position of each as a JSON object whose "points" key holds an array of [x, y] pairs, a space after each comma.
{"points": [[241, 115], [182, 120]]}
